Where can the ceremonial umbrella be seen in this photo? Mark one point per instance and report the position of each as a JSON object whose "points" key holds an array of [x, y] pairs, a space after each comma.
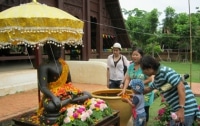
{"points": [[35, 23]]}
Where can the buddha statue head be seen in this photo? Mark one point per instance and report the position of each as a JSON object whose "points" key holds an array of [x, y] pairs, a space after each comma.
{"points": [[53, 51]]}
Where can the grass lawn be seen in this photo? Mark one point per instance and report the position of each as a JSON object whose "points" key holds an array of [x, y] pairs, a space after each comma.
{"points": [[183, 68]]}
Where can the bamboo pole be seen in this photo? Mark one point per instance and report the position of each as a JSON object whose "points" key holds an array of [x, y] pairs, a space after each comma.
{"points": [[190, 45]]}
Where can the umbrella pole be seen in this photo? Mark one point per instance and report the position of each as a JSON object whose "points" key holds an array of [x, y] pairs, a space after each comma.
{"points": [[190, 46]]}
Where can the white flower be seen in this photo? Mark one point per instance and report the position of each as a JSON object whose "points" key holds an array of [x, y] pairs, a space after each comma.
{"points": [[89, 111], [66, 119], [84, 116], [92, 106], [70, 112], [103, 106]]}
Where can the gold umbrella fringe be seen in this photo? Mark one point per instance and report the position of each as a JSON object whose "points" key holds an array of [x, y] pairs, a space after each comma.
{"points": [[30, 36], [13, 29], [4, 45]]}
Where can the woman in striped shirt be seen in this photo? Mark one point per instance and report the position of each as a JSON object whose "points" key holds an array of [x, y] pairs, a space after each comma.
{"points": [[174, 89]]}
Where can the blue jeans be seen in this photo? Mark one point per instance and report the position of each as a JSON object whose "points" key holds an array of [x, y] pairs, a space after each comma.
{"points": [[140, 119], [114, 84], [188, 121]]}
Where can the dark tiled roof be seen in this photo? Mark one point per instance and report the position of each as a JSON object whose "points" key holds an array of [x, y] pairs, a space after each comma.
{"points": [[114, 9]]}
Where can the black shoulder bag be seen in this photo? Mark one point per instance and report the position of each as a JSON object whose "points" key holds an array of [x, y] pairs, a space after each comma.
{"points": [[125, 67]]}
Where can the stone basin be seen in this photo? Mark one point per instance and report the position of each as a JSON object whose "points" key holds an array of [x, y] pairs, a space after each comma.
{"points": [[115, 102]]}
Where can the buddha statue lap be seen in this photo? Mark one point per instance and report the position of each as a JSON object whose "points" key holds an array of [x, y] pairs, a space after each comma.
{"points": [[55, 84]]}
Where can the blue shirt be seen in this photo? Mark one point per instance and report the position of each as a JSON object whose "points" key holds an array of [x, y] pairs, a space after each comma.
{"points": [[138, 74]]}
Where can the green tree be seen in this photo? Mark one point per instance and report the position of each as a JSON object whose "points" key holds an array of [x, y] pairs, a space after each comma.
{"points": [[169, 39], [182, 28], [141, 25]]}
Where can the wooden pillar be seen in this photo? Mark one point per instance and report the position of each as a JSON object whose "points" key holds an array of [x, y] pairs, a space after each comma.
{"points": [[38, 56], [60, 4], [86, 49], [99, 38]]}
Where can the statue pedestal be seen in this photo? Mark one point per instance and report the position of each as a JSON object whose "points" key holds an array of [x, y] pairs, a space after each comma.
{"points": [[24, 120]]}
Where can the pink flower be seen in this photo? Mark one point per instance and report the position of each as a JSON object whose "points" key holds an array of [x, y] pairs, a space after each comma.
{"points": [[161, 111], [199, 107], [75, 115], [173, 115], [97, 105], [100, 101], [80, 110]]}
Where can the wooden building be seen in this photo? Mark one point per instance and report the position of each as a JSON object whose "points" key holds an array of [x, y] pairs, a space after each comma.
{"points": [[103, 25]]}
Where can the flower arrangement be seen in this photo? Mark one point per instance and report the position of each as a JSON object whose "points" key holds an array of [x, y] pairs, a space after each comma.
{"points": [[99, 108], [92, 111], [75, 115]]}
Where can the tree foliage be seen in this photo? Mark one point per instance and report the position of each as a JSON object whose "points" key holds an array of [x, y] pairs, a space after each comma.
{"points": [[176, 33]]}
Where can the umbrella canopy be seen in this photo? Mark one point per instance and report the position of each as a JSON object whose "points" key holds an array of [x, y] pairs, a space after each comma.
{"points": [[35, 23]]}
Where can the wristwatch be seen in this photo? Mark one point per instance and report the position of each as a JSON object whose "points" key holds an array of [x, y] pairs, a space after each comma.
{"points": [[181, 106]]}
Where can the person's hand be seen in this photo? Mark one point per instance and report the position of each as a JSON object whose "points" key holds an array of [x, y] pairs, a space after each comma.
{"points": [[198, 121], [125, 100], [57, 102], [122, 92], [180, 115], [121, 85]]}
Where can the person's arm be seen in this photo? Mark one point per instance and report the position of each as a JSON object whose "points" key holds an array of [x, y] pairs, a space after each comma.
{"points": [[108, 71], [181, 94], [132, 101], [147, 90], [147, 80], [123, 81], [43, 85], [108, 77], [43, 82], [126, 82]]}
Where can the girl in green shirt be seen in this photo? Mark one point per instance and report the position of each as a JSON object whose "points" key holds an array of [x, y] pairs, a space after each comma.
{"points": [[135, 72]]}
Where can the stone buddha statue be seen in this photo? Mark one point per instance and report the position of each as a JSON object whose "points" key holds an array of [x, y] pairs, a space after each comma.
{"points": [[54, 82]]}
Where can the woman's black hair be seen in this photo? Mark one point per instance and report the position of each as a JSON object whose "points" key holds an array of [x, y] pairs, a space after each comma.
{"points": [[149, 62], [139, 50]]}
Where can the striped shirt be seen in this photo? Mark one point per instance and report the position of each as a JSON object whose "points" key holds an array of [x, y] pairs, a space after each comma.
{"points": [[166, 75]]}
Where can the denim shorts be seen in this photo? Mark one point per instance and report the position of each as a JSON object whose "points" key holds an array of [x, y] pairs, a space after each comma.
{"points": [[140, 119], [188, 121]]}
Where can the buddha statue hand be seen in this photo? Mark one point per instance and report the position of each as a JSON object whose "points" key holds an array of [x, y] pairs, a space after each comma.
{"points": [[55, 104]]}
